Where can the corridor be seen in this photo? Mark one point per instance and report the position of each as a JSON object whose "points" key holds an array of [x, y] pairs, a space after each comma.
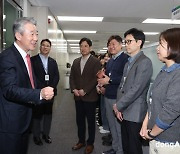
{"points": [[64, 130]]}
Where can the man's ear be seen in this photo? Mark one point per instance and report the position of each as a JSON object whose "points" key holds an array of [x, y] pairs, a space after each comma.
{"points": [[18, 36], [139, 42]]}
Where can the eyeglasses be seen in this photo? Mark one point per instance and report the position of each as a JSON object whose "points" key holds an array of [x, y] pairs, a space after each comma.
{"points": [[128, 41], [45, 46]]}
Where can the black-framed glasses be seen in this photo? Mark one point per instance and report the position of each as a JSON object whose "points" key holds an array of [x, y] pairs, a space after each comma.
{"points": [[128, 42], [46, 46]]}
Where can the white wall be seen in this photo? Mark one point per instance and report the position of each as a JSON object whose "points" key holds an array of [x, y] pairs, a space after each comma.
{"points": [[73, 56], [41, 15], [157, 65]]}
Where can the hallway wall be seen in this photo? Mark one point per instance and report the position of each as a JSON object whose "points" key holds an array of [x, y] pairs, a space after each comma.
{"points": [[48, 28]]}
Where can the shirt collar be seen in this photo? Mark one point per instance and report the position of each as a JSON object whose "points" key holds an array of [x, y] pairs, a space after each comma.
{"points": [[171, 68], [21, 51], [130, 59], [117, 55], [86, 57], [42, 56]]}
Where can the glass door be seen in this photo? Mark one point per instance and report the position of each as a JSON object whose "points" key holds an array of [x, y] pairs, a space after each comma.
{"points": [[12, 11]]}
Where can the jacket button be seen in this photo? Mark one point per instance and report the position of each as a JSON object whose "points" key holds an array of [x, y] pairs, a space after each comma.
{"points": [[123, 92]]}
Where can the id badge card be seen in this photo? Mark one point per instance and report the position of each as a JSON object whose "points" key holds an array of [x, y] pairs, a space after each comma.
{"points": [[46, 77]]}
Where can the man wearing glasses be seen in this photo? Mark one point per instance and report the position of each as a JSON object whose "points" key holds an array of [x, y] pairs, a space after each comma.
{"points": [[46, 71], [131, 106]]}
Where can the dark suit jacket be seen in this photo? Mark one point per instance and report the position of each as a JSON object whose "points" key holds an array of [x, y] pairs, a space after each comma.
{"points": [[131, 94], [87, 80], [16, 93], [40, 73]]}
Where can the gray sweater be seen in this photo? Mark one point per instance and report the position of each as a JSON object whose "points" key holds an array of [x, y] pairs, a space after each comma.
{"points": [[164, 104]]}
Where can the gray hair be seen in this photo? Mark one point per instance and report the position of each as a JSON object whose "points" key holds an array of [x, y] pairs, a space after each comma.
{"points": [[19, 23]]}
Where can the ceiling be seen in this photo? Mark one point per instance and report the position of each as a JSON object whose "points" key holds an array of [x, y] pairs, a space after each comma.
{"points": [[119, 16]]}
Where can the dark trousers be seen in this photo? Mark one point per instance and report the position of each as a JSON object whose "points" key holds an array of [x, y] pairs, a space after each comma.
{"points": [[85, 110], [131, 139], [42, 116], [11, 143]]}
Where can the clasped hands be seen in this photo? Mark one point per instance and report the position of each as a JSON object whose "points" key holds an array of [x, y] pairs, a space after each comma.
{"points": [[103, 81], [47, 93], [79, 92]]}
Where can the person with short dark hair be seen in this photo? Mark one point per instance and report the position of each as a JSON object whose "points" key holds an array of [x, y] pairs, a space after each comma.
{"points": [[47, 73], [162, 122], [111, 80], [83, 85], [131, 106]]}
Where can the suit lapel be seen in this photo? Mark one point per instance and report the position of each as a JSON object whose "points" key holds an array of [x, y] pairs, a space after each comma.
{"points": [[86, 65], [50, 64], [133, 64], [20, 61], [137, 59], [40, 64], [158, 80], [79, 66]]}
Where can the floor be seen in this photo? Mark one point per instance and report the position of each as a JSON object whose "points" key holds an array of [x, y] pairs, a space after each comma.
{"points": [[64, 131]]}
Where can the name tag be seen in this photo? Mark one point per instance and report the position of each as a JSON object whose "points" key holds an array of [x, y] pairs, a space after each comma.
{"points": [[46, 77]]}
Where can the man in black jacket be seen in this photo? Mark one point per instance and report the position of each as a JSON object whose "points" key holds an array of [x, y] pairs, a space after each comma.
{"points": [[46, 71]]}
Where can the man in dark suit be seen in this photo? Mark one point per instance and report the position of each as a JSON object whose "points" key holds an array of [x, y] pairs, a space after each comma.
{"points": [[17, 88], [83, 84], [46, 71], [131, 106]]}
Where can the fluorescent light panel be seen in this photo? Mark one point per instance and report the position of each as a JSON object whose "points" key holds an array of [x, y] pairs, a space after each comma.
{"points": [[61, 47], [151, 33], [161, 21], [73, 40], [75, 18], [54, 31], [74, 47], [74, 44], [57, 40], [78, 31]]}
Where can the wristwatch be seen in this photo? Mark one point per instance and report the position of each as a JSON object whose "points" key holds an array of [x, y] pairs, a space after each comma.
{"points": [[149, 134]]}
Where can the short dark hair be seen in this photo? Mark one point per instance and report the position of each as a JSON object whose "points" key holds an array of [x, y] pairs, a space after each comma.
{"points": [[114, 37], [47, 40], [137, 34], [89, 42], [172, 37]]}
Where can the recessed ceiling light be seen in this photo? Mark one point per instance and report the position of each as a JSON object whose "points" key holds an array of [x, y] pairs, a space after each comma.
{"points": [[161, 21], [54, 31], [4, 16], [78, 31], [61, 47], [151, 33], [73, 18], [74, 44], [74, 47], [73, 40], [103, 50], [57, 40]]}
